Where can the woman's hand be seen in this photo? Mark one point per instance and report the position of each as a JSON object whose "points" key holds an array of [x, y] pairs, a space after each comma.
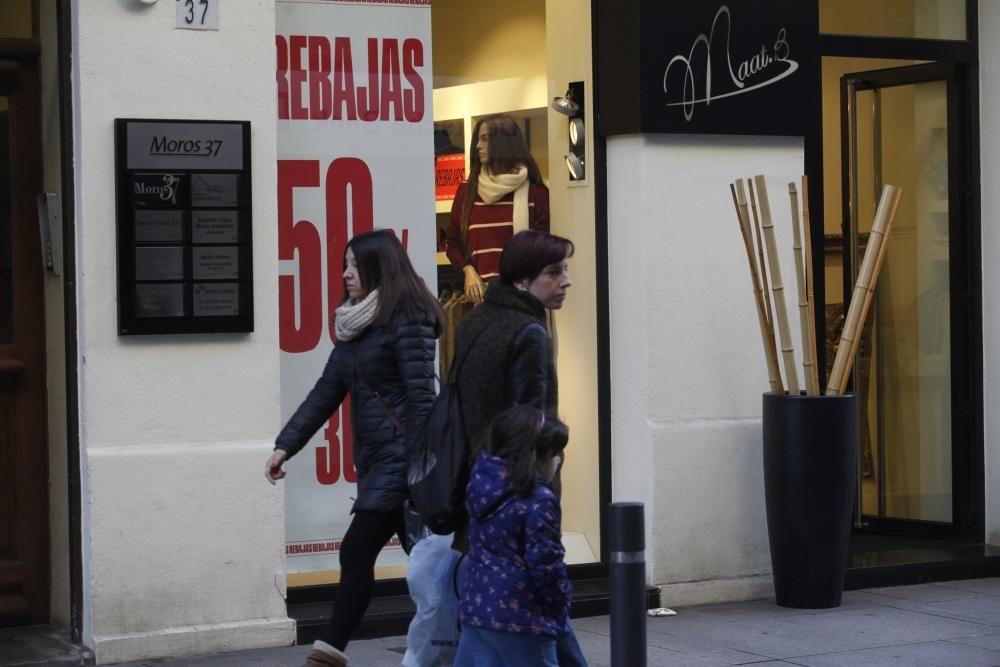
{"points": [[474, 288], [273, 470]]}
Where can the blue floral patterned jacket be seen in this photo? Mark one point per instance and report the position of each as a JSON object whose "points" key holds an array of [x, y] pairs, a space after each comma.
{"points": [[516, 578]]}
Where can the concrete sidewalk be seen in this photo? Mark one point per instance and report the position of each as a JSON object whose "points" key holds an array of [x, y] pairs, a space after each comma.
{"points": [[952, 623]]}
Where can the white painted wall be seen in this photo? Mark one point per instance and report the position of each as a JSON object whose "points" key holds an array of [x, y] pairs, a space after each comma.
{"points": [[183, 537], [687, 365], [989, 113]]}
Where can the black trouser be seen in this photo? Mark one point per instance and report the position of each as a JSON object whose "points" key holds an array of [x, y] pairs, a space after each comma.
{"points": [[368, 533]]}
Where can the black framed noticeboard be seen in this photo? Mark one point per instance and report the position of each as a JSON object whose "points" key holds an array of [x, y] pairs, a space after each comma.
{"points": [[184, 226]]}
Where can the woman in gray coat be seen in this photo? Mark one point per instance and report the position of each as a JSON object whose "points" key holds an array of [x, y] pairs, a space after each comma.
{"points": [[384, 358]]}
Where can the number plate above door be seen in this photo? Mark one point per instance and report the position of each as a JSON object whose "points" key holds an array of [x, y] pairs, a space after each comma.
{"points": [[197, 14]]}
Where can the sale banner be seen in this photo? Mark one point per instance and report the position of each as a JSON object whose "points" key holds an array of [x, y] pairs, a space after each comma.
{"points": [[355, 152], [449, 172]]}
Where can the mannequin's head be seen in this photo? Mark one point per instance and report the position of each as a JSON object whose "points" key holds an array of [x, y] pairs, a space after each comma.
{"points": [[497, 141], [504, 151]]}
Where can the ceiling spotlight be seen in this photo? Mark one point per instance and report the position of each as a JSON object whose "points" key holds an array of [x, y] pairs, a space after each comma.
{"points": [[566, 105], [576, 133], [575, 167]]}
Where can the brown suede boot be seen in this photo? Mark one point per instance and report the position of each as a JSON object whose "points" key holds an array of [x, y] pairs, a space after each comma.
{"points": [[324, 655]]}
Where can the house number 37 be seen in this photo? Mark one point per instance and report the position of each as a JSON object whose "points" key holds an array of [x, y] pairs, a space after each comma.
{"points": [[197, 14]]}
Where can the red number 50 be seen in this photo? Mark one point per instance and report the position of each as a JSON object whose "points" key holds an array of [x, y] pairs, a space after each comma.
{"points": [[349, 210]]}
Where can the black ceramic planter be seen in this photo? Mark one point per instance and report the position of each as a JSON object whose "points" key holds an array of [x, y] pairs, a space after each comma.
{"points": [[810, 462]]}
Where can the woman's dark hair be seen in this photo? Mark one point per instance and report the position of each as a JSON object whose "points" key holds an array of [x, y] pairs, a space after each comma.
{"points": [[522, 436], [528, 252], [506, 151], [383, 264]]}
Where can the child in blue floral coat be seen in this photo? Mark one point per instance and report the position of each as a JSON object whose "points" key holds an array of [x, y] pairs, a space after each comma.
{"points": [[515, 592]]}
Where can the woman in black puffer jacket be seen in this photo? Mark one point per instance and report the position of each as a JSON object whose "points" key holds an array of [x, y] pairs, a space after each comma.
{"points": [[384, 358]]}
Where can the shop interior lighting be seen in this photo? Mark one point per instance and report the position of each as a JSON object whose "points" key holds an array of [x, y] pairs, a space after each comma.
{"points": [[575, 166], [571, 106], [576, 133], [566, 105]]}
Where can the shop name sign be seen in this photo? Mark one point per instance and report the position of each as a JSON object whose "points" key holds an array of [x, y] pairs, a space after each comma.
{"points": [[165, 145], [172, 145], [764, 68], [738, 67], [708, 66]]}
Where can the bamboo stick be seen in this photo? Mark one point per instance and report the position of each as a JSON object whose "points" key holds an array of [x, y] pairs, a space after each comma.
{"points": [[760, 254], [864, 288], [766, 332], [807, 232], [777, 288], [765, 286], [808, 355]]}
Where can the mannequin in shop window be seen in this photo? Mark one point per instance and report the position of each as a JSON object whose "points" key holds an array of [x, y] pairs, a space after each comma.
{"points": [[504, 195]]}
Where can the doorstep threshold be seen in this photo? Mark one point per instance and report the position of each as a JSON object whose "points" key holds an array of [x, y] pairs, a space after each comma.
{"points": [[905, 562]]}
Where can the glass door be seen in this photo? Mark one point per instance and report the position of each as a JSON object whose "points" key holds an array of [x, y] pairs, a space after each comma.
{"points": [[902, 127]]}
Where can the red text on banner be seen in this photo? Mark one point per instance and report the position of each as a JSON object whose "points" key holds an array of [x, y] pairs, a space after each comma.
{"points": [[316, 79]]}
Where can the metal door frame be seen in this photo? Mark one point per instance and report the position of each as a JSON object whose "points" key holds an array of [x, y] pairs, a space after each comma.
{"points": [[967, 464]]}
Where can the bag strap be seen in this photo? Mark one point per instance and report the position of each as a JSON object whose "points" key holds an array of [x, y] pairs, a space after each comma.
{"points": [[378, 399]]}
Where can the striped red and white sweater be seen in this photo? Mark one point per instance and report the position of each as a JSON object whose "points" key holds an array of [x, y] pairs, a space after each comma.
{"points": [[490, 227]]}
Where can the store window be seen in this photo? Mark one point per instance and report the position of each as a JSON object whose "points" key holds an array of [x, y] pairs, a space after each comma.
{"points": [[927, 19], [376, 108], [510, 64]]}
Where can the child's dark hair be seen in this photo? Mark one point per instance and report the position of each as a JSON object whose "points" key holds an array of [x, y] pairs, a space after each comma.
{"points": [[522, 436]]}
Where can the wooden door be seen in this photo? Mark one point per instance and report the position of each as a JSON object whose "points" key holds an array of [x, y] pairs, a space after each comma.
{"points": [[24, 489]]}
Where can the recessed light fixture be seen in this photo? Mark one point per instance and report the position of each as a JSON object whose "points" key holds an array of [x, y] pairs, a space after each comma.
{"points": [[566, 105], [576, 133], [575, 167], [572, 106]]}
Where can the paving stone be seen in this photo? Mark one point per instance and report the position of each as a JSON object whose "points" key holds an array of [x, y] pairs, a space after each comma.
{"points": [[984, 610], [703, 650], [982, 586], [943, 654], [991, 642], [768, 640], [925, 593], [880, 626]]}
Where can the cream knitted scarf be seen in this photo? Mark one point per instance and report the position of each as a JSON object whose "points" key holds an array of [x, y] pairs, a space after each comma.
{"points": [[353, 318], [493, 187]]}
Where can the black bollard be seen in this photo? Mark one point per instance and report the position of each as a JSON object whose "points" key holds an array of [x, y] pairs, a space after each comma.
{"points": [[628, 585]]}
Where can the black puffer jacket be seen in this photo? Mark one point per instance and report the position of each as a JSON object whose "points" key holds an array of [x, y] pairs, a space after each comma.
{"points": [[509, 359], [396, 362]]}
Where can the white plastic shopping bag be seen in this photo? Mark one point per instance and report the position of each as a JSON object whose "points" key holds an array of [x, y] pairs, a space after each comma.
{"points": [[433, 581]]}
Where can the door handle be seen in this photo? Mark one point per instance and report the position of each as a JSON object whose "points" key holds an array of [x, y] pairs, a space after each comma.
{"points": [[50, 231]]}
